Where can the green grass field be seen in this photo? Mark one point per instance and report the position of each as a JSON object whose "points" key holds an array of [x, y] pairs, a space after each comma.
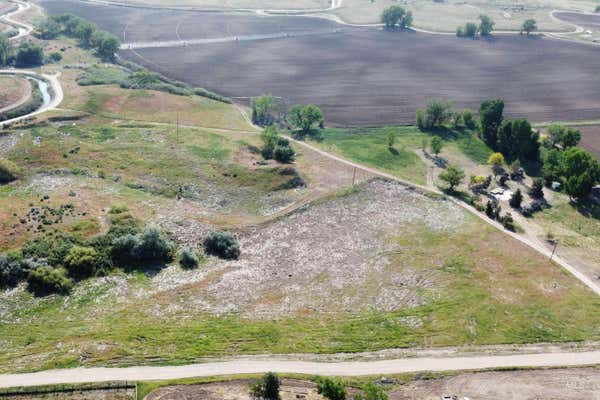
{"points": [[369, 146]]}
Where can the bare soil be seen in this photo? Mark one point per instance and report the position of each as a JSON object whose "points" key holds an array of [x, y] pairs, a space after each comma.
{"points": [[362, 76], [564, 384], [590, 138]]}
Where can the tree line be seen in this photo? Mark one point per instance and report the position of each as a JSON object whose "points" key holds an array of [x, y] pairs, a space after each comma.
{"points": [[88, 35]]}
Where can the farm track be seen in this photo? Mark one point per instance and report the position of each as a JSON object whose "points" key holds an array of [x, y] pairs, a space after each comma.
{"points": [[340, 368], [275, 364]]}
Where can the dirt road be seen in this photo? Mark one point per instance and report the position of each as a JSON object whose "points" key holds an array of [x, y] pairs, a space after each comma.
{"points": [[246, 366], [24, 28]]}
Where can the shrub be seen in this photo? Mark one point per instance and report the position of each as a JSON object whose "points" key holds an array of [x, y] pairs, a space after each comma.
{"points": [[508, 222], [331, 388], [266, 388], [372, 392], [188, 259], [8, 171], [55, 57], [149, 246], [516, 199], [284, 153], [468, 119], [47, 280], [223, 245], [12, 270], [537, 189], [453, 176], [82, 262]]}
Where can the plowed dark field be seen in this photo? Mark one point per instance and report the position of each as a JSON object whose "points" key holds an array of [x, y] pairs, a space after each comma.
{"points": [[590, 139], [587, 21], [361, 76]]}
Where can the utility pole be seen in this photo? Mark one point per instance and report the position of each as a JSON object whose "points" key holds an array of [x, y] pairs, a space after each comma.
{"points": [[554, 249], [177, 129], [353, 176]]}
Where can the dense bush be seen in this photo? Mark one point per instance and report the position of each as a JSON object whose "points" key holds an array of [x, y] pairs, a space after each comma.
{"points": [[396, 16], [46, 280], [223, 245], [266, 388], [188, 259], [516, 199], [150, 246], [83, 262], [8, 171], [12, 270], [331, 388], [283, 151], [29, 55]]}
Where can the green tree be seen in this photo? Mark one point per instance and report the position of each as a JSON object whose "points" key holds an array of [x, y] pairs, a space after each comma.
{"points": [[266, 388], [48, 29], [396, 16], [517, 140], [563, 136], [5, 49], [269, 137], [453, 176], [46, 280], [470, 29], [84, 32], [436, 145], [283, 152], [265, 109], [516, 199], [529, 26], [553, 166], [581, 171], [305, 118], [390, 137], [29, 55], [486, 25], [537, 189], [105, 44], [331, 388], [490, 116], [468, 119], [437, 112]]}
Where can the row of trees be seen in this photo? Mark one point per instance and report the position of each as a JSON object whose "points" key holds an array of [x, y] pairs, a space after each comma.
{"points": [[269, 110], [88, 35], [470, 29], [438, 112]]}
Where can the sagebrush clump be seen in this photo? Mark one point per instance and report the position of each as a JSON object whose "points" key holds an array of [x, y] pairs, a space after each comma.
{"points": [[222, 245]]}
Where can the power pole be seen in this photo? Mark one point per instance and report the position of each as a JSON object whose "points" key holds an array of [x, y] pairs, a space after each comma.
{"points": [[554, 249], [353, 176]]}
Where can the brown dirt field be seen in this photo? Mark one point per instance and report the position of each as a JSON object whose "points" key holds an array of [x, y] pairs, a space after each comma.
{"points": [[11, 90], [120, 394], [233, 390], [392, 75], [587, 21], [590, 138], [564, 384]]}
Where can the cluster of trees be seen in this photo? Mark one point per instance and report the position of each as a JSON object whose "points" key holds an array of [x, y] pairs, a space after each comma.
{"points": [[576, 169], [53, 263], [275, 146], [470, 29], [396, 17], [438, 112], [89, 35], [268, 387], [266, 110], [26, 55], [515, 139]]}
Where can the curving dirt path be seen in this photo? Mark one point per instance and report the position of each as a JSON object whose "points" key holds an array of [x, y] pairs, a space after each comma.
{"points": [[348, 368], [57, 94], [25, 29]]}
